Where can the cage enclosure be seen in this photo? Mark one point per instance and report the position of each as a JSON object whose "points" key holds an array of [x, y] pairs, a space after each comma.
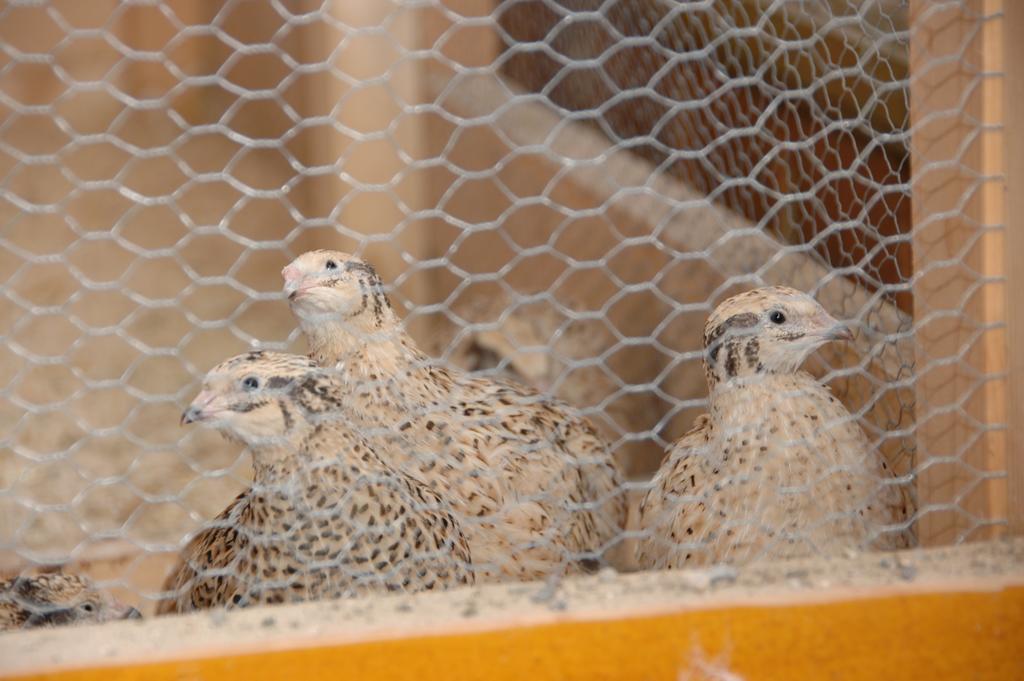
{"points": [[555, 192]]}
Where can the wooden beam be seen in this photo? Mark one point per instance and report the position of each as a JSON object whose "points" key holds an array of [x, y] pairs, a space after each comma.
{"points": [[957, 154], [1014, 133], [931, 615]]}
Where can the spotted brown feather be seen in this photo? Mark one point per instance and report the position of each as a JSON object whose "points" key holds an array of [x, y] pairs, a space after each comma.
{"points": [[779, 468], [538, 488], [325, 516]]}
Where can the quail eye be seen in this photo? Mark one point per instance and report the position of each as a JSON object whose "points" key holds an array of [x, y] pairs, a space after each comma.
{"points": [[88, 607], [331, 265], [777, 317], [251, 383]]}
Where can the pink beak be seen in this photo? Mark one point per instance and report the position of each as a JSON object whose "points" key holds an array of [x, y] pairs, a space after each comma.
{"points": [[840, 332], [833, 329], [292, 278], [200, 409]]}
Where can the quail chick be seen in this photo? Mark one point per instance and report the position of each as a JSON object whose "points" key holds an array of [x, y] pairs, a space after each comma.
{"points": [[325, 516], [56, 599], [779, 468], [537, 489]]}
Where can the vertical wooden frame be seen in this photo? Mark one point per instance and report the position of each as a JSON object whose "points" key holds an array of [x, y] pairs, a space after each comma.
{"points": [[960, 288], [1013, 107]]}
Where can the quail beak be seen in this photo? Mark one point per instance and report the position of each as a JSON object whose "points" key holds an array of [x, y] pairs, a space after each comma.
{"points": [[840, 332], [202, 407], [833, 330], [827, 328], [131, 613], [293, 281]]}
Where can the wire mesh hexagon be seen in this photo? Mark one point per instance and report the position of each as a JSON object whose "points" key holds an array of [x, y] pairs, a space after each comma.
{"points": [[558, 192]]}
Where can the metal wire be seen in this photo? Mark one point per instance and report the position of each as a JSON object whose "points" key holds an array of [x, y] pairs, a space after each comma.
{"points": [[559, 191]]}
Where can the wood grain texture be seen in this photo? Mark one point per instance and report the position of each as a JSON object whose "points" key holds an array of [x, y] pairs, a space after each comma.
{"points": [[1014, 102]]}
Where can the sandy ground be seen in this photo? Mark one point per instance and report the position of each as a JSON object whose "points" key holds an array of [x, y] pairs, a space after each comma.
{"points": [[130, 262], [108, 330]]}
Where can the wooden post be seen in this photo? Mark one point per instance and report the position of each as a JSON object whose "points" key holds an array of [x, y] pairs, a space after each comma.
{"points": [[959, 242], [1013, 64]]}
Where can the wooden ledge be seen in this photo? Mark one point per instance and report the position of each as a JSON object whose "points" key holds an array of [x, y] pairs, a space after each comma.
{"points": [[938, 614]]}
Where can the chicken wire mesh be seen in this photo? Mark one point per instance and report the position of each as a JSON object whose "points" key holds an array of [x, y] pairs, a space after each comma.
{"points": [[555, 191]]}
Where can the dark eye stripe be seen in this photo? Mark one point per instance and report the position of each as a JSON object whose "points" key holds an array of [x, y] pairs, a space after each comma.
{"points": [[737, 321], [278, 382], [51, 616], [243, 407]]}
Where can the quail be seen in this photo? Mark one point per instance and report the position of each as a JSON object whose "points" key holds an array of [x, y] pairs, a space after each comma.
{"points": [[325, 516], [54, 599], [778, 468], [537, 488]]}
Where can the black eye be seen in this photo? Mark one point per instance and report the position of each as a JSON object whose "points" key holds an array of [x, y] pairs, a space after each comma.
{"points": [[331, 265], [777, 317], [88, 607], [251, 383]]}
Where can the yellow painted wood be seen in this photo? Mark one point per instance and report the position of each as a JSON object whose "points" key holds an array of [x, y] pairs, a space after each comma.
{"points": [[927, 636]]}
